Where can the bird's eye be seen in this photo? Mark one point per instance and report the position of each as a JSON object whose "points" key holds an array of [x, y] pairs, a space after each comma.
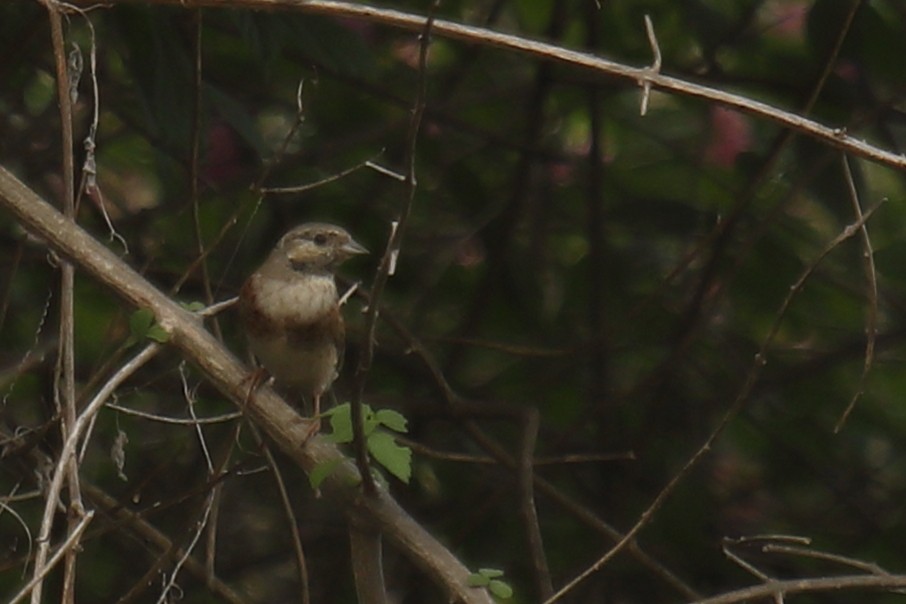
{"points": [[320, 239]]}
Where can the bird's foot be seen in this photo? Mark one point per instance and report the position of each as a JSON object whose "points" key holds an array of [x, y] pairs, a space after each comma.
{"points": [[315, 420], [314, 428], [255, 380]]}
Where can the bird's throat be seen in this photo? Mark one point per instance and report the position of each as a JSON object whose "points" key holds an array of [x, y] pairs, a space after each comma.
{"points": [[300, 300]]}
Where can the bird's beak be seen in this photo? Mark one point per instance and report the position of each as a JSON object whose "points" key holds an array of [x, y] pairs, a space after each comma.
{"points": [[353, 247]]}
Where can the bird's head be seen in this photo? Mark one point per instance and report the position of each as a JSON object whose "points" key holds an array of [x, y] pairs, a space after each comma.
{"points": [[317, 246]]}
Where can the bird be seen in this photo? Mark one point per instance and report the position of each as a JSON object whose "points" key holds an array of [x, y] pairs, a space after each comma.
{"points": [[289, 309]]}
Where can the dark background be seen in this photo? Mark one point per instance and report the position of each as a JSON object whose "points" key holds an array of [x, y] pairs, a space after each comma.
{"points": [[615, 273]]}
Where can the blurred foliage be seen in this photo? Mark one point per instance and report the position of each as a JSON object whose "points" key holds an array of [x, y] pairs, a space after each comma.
{"points": [[614, 272]]}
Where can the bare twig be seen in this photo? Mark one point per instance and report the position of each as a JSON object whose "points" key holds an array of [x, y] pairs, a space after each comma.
{"points": [[166, 594], [742, 563], [190, 398], [388, 261], [735, 408], [798, 586], [5, 507], [582, 513], [124, 516], [527, 510], [34, 355], [318, 183], [64, 550], [833, 136], [64, 375], [655, 68], [195, 159], [292, 525], [790, 550], [72, 438], [568, 458], [871, 285], [219, 419], [217, 307]]}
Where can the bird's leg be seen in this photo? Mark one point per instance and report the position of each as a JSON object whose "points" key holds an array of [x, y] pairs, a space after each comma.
{"points": [[255, 379], [315, 427]]}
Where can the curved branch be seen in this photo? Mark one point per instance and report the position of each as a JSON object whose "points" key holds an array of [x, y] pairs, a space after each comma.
{"points": [[266, 408], [640, 76], [820, 584]]}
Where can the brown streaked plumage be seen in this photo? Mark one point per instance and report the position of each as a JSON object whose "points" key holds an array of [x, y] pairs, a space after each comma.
{"points": [[290, 312]]}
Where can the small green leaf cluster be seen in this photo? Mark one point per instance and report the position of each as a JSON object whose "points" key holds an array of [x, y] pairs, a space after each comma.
{"points": [[490, 579], [142, 326], [379, 440]]}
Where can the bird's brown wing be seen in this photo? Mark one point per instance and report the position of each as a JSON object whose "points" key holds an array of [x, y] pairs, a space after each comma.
{"points": [[254, 320]]}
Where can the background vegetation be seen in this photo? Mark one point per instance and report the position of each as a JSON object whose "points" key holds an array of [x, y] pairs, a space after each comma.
{"points": [[619, 276]]}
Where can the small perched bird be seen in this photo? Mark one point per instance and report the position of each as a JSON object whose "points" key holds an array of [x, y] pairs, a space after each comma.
{"points": [[290, 311]]}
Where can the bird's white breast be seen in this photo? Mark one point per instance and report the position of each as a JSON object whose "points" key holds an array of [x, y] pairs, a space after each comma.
{"points": [[298, 301]]}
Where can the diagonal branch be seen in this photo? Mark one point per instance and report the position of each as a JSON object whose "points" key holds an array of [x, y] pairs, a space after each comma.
{"points": [[223, 369]]}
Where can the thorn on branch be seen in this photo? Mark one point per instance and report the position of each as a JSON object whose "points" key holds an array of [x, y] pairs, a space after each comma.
{"points": [[655, 68], [300, 107]]}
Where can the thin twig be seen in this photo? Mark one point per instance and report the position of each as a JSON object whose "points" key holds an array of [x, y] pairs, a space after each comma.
{"points": [[217, 307], [201, 524], [527, 509], [318, 183], [217, 419], [292, 524], [64, 374], [266, 171], [585, 516], [742, 563], [869, 567], [735, 408], [871, 285], [35, 353], [388, 261], [216, 473], [69, 448], [655, 68], [64, 550], [122, 515], [190, 398], [568, 458], [5, 507], [798, 586]]}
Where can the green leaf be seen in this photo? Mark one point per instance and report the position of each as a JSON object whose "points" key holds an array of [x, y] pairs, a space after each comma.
{"points": [[395, 458], [477, 580], [491, 573], [317, 476], [340, 424], [499, 589], [486, 577], [142, 325], [195, 306], [140, 321], [391, 420], [370, 422], [158, 334]]}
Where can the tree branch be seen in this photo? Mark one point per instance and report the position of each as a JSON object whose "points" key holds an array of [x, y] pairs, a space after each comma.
{"points": [[640, 76], [273, 415]]}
